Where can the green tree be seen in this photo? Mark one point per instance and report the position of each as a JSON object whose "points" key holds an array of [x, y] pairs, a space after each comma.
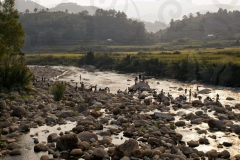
{"points": [[13, 71], [12, 35]]}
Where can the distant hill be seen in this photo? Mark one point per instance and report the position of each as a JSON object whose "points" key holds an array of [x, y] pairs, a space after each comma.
{"points": [[22, 5], [73, 8], [154, 27], [223, 24]]}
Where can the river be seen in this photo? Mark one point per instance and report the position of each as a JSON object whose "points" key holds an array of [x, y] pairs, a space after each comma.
{"points": [[116, 81]]}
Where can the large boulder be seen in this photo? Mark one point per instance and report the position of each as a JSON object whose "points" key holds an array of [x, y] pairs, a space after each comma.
{"points": [[87, 136], [216, 124], [67, 142], [127, 148]]}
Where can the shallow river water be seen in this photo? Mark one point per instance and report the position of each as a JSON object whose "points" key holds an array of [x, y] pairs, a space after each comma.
{"points": [[117, 81]]}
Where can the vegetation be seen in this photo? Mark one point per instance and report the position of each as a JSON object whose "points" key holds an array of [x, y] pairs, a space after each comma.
{"points": [[58, 91], [13, 70], [62, 28], [221, 25]]}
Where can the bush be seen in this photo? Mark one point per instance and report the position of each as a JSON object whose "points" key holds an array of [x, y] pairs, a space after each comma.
{"points": [[177, 52], [15, 75], [57, 90]]}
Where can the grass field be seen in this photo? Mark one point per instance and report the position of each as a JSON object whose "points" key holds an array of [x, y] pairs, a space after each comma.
{"points": [[191, 49]]}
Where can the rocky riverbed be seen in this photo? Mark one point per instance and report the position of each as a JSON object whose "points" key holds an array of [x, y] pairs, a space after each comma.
{"points": [[100, 125]]}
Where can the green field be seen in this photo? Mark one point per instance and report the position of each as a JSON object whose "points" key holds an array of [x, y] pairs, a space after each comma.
{"points": [[212, 55]]}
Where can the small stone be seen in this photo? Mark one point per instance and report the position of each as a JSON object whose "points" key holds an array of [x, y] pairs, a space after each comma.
{"points": [[44, 157]]}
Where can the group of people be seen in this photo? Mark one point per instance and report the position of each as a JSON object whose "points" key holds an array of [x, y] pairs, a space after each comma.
{"points": [[139, 78], [195, 95]]}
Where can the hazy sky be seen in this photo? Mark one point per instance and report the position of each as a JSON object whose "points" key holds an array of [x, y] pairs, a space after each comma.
{"points": [[106, 3]]}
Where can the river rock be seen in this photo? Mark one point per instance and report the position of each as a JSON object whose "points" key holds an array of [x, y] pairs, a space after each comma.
{"points": [[107, 140], [147, 101], [197, 121], [19, 111], [224, 154], [127, 148], [76, 152], [204, 141], [3, 105], [204, 91], [40, 147], [172, 156], [67, 142], [165, 116], [52, 137], [44, 157], [197, 103], [24, 127], [227, 144], [230, 99], [15, 152], [213, 154], [13, 146], [87, 136], [199, 113], [218, 124], [180, 123], [193, 143], [99, 153]]}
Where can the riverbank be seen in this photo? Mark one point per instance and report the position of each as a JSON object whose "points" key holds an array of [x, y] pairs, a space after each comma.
{"points": [[98, 123], [185, 67]]}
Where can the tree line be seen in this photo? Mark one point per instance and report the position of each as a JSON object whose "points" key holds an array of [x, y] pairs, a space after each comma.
{"points": [[220, 25], [62, 28]]}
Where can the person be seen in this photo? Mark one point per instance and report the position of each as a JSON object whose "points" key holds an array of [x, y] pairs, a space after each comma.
{"points": [[217, 99], [80, 77], [48, 82], [190, 92], [162, 92], [136, 79], [185, 91], [195, 95], [82, 86], [76, 86], [140, 76], [143, 78]]}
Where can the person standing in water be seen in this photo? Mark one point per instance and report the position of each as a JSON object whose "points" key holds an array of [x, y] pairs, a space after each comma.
{"points": [[217, 99]]}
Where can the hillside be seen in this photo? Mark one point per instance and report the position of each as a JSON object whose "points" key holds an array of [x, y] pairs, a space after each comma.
{"points": [[73, 8], [220, 25], [62, 28], [23, 5]]}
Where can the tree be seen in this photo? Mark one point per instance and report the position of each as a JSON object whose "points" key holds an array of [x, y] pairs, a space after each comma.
{"points": [[27, 11], [47, 9], [12, 34], [35, 10], [13, 71]]}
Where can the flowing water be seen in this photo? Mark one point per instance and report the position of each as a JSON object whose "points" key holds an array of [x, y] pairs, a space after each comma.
{"points": [[116, 81]]}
